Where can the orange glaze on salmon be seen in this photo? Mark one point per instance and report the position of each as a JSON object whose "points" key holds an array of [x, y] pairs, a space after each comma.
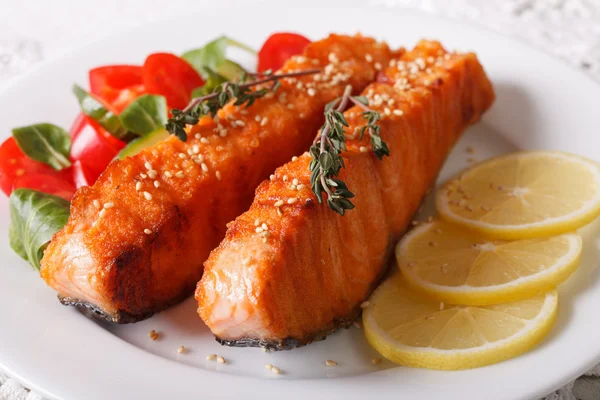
{"points": [[290, 270], [136, 240]]}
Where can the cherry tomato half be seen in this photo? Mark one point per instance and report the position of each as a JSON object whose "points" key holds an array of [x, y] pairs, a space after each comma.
{"points": [[278, 48], [170, 76], [46, 183], [107, 82], [93, 147], [15, 165]]}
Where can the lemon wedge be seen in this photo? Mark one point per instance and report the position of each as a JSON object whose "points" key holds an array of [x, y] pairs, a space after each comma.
{"points": [[524, 195], [411, 330], [457, 266]]}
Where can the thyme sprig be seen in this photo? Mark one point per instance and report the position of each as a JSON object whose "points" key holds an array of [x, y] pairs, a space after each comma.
{"points": [[326, 160], [240, 92]]}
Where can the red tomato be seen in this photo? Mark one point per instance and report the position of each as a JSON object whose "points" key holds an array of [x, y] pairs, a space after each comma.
{"points": [[107, 82], [14, 164], [82, 175], [126, 96], [170, 76], [278, 48], [47, 183], [94, 147]]}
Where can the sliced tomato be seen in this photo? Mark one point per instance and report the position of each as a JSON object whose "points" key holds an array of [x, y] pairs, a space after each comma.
{"points": [[94, 148], [278, 48], [107, 82], [14, 165], [126, 96], [82, 175], [46, 183], [171, 76]]}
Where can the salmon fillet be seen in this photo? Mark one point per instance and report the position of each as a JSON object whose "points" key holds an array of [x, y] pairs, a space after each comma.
{"points": [[285, 276], [136, 240]]}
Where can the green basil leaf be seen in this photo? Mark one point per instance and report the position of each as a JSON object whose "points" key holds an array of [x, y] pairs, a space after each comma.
{"points": [[212, 55], [212, 82], [46, 143], [34, 218], [96, 111], [146, 114]]}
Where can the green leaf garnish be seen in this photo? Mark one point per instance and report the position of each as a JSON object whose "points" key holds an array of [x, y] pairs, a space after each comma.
{"points": [[145, 114], [34, 218], [212, 55], [46, 143], [96, 111]]}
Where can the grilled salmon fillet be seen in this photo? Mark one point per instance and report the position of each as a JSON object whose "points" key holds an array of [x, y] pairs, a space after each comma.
{"points": [[290, 270], [136, 240]]}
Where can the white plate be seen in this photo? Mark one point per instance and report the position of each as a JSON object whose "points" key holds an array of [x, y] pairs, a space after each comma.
{"points": [[542, 104]]}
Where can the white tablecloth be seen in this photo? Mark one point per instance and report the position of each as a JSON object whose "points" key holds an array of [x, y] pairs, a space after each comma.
{"points": [[31, 30]]}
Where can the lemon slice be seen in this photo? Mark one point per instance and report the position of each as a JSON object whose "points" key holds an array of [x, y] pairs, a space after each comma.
{"points": [[524, 195], [457, 266], [411, 330]]}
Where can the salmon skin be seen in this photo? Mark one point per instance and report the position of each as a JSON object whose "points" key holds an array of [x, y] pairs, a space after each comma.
{"points": [[290, 270], [136, 240]]}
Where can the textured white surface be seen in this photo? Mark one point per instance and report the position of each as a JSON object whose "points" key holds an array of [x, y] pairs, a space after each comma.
{"points": [[31, 31]]}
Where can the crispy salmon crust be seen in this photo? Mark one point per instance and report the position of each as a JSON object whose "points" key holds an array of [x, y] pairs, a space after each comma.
{"points": [[133, 247], [305, 272]]}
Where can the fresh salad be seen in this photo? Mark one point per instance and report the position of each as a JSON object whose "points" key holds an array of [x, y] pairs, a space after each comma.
{"points": [[123, 111]]}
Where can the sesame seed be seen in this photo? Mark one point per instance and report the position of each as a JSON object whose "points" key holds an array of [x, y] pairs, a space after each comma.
{"points": [[156, 184], [244, 112], [311, 92], [295, 181], [148, 166], [290, 106], [376, 361], [96, 204], [182, 155], [181, 349], [365, 304], [204, 167], [148, 196], [264, 226], [204, 140], [369, 58], [179, 174], [332, 57], [168, 174], [363, 149], [398, 112], [300, 187], [292, 200], [239, 122], [108, 205], [278, 203], [279, 212], [387, 111], [147, 231], [330, 363], [221, 360], [264, 121], [195, 149], [268, 366], [218, 175], [294, 158], [377, 66], [143, 176], [138, 186], [152, 174], [276, 370], [258, 229], [211, 357], [285, 178], [102, 212], [197, 136], [256, 222]]}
